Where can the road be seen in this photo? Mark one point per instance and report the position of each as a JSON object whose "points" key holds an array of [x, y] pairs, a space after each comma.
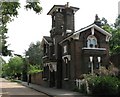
{"points": [[13, 89]]}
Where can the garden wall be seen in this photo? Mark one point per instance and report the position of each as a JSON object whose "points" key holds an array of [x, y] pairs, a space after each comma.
{"points": [[37, 78]]}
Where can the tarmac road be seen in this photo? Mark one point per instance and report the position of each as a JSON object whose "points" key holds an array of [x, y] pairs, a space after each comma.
{"points": [[13, 89]]}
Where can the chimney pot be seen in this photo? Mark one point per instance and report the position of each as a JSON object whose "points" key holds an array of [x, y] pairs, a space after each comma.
{"points": [[67, 4]]}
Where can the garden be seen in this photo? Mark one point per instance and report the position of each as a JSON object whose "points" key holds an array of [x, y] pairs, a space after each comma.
{"points": [[104, 82]]}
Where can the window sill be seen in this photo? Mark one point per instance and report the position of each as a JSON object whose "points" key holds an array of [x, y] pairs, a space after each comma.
{"points": [[45, 79], [94, 48], [66, 79], [45, 56]]}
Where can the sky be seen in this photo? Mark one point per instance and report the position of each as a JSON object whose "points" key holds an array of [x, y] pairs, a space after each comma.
{"points": [[31, 27]]}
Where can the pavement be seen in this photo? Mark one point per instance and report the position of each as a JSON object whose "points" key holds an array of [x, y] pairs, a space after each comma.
{"points": [[53, 92], [13, 89]]}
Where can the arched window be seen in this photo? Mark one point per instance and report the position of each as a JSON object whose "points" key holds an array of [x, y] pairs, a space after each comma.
{"points": [[91, 41]]}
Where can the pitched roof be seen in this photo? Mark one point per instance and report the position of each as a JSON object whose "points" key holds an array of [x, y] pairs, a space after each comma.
{"points": [[86, 28], [96, 27], [47, 39]]}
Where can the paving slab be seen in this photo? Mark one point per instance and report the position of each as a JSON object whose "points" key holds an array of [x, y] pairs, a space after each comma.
{"points": [[13, 89], [53, 92]]}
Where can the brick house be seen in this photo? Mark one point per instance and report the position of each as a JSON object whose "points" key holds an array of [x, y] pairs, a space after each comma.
{"points": [[69, 53]]}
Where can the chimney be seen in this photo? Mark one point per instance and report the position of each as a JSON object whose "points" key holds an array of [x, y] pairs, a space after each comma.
{"points": [[97, 21], [67, 5]]}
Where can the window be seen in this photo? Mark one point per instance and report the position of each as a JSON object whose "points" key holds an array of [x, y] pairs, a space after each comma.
{"points": [[54, 41], [53, 17], [91, 41], [45, 49], [65, 49], [66, 69]]}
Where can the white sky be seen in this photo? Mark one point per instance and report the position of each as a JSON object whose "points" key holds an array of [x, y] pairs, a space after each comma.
{"points": [[30, 27]]}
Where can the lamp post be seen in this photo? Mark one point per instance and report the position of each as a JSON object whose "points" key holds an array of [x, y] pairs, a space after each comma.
{"points": [[91, 61]]}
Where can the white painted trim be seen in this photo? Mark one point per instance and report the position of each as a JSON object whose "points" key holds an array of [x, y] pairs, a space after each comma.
{"points": [[93, 48], [92, 30], [66, 79], [44, 79], [96, 27], [44, 57], [65, 49], [91, 26], [46, 41], [68, 31], [61, 7], [107, 38], [76, 36], [52, 66], [67, 56]]}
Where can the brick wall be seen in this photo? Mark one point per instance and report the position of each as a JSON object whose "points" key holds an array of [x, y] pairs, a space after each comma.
{"points": [[37, 78]]}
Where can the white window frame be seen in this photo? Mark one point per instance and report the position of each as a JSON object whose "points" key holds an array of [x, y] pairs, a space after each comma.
{"points": [[65, 49], [54, 41], [90, 41]]}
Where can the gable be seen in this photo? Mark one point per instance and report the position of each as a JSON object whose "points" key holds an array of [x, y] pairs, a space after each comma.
{"points": [[92, 27], [89, 32], [95, 27], [46, 40]]}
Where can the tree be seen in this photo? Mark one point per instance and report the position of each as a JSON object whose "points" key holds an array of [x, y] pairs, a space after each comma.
{"points": [[9, 10], [5, 70], [35, 54], [117, 22], [1, 63], [114, 29], [14, 67]]}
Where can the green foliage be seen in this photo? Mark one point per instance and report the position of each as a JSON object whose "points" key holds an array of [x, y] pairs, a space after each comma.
{"points": [[107, 83], [76, 89], [35, 54], [34, 69], [34, 5], [114, 29], [116, 50], [6, 70], [117, 23], [9, 10], [83, 88], [111, 71], [1, 63], [13, 68], [104, 85], [115, 41]]}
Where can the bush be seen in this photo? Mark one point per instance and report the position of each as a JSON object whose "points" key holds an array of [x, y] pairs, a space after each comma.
{"points": [[104, 85], [76, 89], [83, 88], [34, 69]]}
